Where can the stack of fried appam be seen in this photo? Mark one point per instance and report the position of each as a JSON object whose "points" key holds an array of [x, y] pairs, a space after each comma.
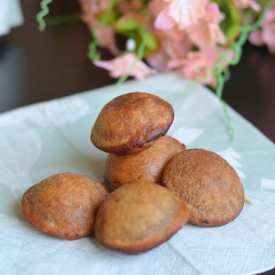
{"points": [[157, 185]]}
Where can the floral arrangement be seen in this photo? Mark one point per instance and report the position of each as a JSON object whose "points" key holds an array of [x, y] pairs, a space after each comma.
{"points": [[199, 38], [195, 37]]}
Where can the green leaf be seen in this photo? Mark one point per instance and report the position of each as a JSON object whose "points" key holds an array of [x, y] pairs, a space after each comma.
{"points": [[108, 17], [231, 25], [93, 55], [149, 39], [127, 25], [263, 3]]}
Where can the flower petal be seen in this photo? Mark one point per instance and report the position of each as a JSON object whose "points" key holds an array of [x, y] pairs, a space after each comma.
{"points": [[164, 21], [186, 12], [126, 64]]}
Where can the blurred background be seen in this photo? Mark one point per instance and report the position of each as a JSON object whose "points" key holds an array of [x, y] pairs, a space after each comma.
{"points": [[37, 66]]}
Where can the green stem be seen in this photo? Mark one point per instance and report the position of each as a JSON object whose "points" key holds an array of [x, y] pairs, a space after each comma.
{"points": [[40, 17], [93, 54], [64, 19], [140, 51], [222, 75]]}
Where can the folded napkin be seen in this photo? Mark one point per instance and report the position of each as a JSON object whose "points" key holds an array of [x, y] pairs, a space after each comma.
{"points": [[10, 15], [52, 137]]}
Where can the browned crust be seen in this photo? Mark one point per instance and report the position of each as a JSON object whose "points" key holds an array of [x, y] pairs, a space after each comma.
{"points": [[208, 184], [131, 148], [64, 205], [179, 222], [108, 183], [128, 123], [143, 166], [175, 219]]}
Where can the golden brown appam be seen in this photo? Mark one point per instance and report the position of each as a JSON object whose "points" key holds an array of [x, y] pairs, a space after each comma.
{"points": [[208, 184], [64, 205], [137, 217], [128, 123], [145, 166]]}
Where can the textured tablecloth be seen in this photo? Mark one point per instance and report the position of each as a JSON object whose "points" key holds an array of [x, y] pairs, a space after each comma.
{"points": [[51, 137]]}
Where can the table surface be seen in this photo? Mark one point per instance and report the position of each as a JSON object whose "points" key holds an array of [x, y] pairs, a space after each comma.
{"points": [[37, 66]]}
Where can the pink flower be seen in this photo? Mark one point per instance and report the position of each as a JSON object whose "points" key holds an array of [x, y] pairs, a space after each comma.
{"points": [[106, 38], [130, 6], [164, 21], [199, 65], [244, 4], [91, 8], [126, 65], [181, 13], [156, 6], [256, 38], [158, 9], [206, 32], [266, 34], [96, 5], [134, 16], [269, 38], [173, 44], [177, 48], [158, 60], [104, 34]]}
